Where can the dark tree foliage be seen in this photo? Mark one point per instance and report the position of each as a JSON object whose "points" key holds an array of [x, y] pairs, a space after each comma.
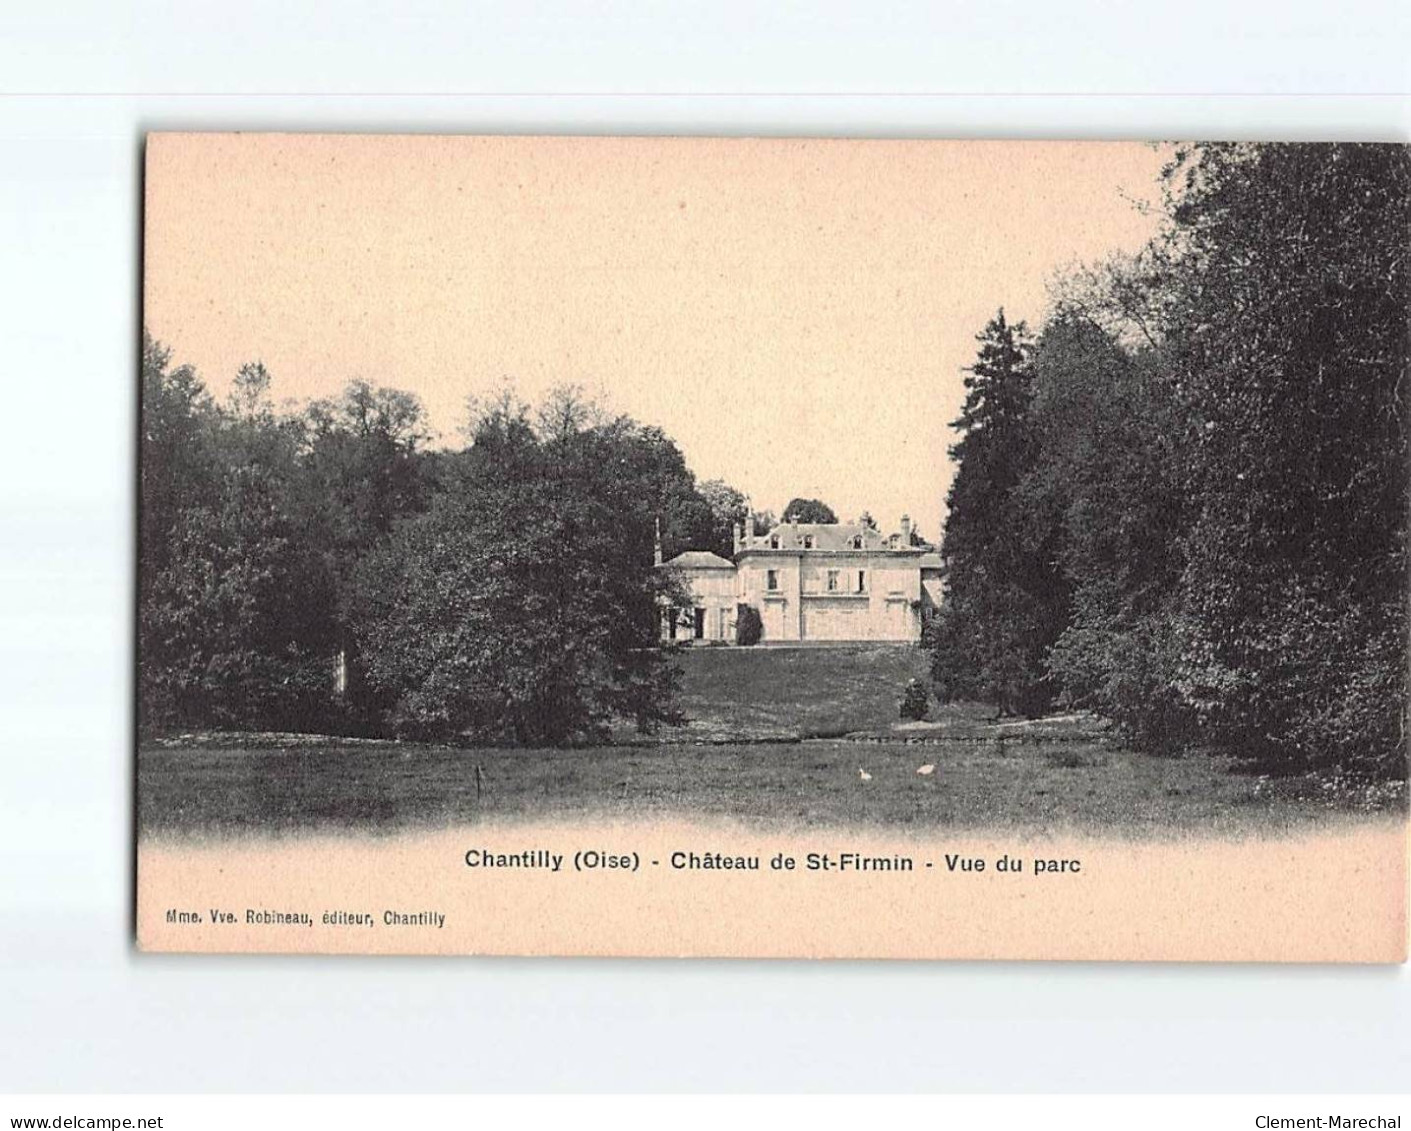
{"points": [[524, 605], [1291, 340], [177, 466], [664, 488], [1107, 471], [361, 471], [808, 510], [238, 628], [506, 591], [236, 610], [1005, 601], [1215, 455], [728, 508]]}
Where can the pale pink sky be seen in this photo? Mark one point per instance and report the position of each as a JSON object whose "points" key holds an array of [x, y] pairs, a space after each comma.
{"points": [[796, 314]]}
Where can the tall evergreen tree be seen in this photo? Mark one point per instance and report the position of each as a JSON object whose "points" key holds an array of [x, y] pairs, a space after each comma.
{"points": [[1004, 602]]}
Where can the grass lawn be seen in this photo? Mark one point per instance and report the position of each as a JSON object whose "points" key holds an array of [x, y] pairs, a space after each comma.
{"points": [[740, 757], [803, 692], [1032, 786]]}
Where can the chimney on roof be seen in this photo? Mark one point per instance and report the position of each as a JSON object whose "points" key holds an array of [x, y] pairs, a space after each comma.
{"points": [[656, 542], [906, 531], [749, 529], [736, 531]]}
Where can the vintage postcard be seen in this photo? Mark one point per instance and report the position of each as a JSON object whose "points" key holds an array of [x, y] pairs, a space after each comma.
{"points": [[773, 548]]}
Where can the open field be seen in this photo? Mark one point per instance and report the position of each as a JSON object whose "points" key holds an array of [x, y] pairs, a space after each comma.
{"points": [[747, 754], [1038, 787]]}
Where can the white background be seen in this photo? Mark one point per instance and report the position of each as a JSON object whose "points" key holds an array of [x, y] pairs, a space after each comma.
{"points": [[80, 1010]]}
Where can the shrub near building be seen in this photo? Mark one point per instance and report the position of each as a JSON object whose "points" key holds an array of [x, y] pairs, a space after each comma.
{"points": [[748, 625]]}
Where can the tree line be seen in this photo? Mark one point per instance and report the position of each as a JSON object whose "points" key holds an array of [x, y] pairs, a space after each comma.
{"points": [[318, 567], [1182, 503]]}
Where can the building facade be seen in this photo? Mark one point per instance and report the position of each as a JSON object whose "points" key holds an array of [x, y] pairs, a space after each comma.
{"points": [[810, 583], [711, 581]]}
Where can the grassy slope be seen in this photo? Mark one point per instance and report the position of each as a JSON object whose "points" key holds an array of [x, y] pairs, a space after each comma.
{"points": [[809, 692]]}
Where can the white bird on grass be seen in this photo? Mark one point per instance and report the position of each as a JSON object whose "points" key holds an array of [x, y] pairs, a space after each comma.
{"points": [[927, 770], [863, 774]]}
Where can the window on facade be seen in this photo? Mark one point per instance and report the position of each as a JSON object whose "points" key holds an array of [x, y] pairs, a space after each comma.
{"points": [[771, 579], [832, 581], [862, 581]]}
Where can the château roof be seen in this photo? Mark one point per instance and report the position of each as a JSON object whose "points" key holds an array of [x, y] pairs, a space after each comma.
{"points": [[699, 559], [826, 536]]}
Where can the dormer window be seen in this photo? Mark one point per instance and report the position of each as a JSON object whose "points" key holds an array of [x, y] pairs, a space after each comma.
{"points": [[808, 541], [774, 541], [857, 541]]}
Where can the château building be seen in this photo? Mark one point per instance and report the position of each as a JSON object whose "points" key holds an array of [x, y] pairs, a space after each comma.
{"points": [[810, 582]]}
